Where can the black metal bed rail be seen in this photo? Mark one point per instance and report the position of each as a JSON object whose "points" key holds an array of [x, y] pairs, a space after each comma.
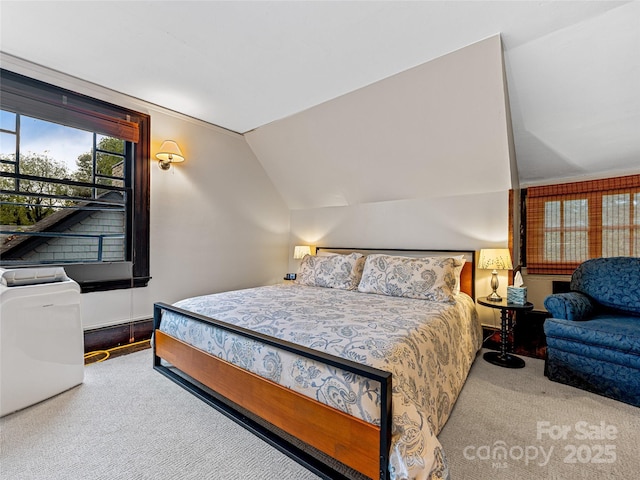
{"points": [[308, 461]]}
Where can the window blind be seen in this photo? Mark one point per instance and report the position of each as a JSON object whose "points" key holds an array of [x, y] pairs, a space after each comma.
{"points": [[572, 222], [32, 98]]}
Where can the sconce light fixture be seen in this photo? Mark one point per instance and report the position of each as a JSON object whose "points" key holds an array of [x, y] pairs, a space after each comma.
{"points": [[300, 251], [495, 259], [169, 153]]}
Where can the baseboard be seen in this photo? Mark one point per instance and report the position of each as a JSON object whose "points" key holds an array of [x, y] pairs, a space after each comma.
{"points": [[115, 335]]}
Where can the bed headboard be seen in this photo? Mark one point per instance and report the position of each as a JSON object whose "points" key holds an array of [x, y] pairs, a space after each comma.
{"points": [[467, 276]]}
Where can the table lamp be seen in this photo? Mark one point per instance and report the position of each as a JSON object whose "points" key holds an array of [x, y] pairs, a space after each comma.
{"points": [[495, 259]]}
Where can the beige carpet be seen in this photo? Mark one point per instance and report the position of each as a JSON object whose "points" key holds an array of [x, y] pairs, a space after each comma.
{"points": [[128, 422], [122, 424], [549, 430]]}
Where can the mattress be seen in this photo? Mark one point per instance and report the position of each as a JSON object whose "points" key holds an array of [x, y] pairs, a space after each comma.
{"points": [[427, 346]]}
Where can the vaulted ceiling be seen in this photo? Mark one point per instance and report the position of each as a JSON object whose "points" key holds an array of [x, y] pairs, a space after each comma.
{"points": [[572, 68]]}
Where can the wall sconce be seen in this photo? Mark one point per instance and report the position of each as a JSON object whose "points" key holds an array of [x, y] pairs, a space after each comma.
{"points": [[495, 259], [300, 251], [169, 153]]}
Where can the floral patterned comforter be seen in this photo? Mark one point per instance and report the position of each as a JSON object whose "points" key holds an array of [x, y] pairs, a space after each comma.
{"points": [[427, 346]]}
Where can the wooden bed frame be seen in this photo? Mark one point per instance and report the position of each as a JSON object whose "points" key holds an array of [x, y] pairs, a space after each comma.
{"points": [[232, 390]]}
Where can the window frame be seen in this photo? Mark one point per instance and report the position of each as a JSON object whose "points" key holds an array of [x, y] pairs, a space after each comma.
{"points": [[59, 105]]}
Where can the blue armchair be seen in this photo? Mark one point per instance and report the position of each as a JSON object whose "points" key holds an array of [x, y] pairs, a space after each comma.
{"points": [[593, 337]]}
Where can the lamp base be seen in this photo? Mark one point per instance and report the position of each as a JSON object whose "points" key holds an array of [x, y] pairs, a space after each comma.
{"points": [[494, 297]]}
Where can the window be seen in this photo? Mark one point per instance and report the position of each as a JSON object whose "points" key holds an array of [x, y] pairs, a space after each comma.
{"points": [[570, 223], [74, 184]]}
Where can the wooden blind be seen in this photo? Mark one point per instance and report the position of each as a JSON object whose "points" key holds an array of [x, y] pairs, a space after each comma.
{"points": [[36, 99], [572, 222]]}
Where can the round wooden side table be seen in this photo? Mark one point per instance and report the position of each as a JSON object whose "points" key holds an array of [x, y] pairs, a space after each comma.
{"points": [[504, 358]]}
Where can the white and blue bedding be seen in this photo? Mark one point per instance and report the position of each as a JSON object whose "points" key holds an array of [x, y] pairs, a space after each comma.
{"points": [[427, 346]]}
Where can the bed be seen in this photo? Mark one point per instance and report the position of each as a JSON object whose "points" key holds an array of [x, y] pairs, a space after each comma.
{"points": [[352, 370]]}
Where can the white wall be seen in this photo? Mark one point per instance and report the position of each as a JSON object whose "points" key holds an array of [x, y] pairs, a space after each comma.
{"points": [[576, 99], [438, 129], [217, 221], [466, 222], [419, 160]]}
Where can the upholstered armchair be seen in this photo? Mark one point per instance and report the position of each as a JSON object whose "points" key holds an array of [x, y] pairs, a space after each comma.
{"points": [[593, 337]]}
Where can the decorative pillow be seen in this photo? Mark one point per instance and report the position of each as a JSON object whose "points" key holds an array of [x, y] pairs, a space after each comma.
{"points": [[334, 271], [431, 278]]}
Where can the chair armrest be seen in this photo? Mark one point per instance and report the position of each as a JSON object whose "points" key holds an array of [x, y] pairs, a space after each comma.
{"points": [[570, 306]]}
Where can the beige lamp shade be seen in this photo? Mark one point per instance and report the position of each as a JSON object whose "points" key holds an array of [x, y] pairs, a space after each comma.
{"points": [[495, 259], [300, 251], [169, 153]]}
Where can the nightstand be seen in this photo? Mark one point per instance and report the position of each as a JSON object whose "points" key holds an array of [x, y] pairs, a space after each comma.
{"points": [[504, 358]]}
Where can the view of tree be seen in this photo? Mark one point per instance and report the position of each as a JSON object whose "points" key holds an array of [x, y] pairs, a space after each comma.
{"points": [[27, 210], [104, 165], [104, 161], [21, 210]]}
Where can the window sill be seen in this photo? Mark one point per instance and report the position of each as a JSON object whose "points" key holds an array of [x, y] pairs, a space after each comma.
{"points": [[106, 285]]}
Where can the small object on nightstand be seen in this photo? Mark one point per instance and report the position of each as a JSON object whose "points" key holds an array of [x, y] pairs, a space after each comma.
{"points": [[290, 276], [517, 293], [504, 358]]}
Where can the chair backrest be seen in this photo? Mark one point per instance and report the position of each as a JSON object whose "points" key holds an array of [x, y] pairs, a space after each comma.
{"points": [[612, 282]]}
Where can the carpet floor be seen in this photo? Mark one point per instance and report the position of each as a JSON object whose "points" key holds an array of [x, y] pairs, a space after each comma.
{"points": [[547, 430], [127, 421]]}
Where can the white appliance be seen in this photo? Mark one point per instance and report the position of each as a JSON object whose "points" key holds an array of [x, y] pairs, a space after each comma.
{"points": [[41, 338]]}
